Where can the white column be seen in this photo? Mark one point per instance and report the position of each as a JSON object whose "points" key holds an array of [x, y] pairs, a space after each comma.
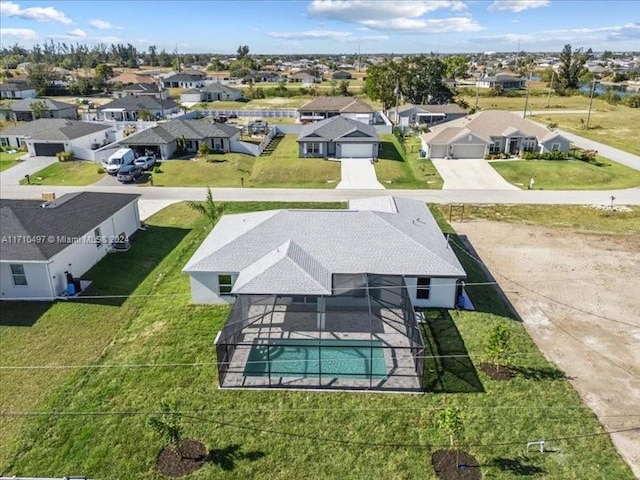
{"points": [[321, 320]]}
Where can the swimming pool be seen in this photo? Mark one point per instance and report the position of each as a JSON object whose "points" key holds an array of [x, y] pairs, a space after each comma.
{"points": [[312, 358]]}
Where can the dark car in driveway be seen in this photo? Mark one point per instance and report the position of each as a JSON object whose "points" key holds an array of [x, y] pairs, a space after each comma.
{"points": [[129, 173]]}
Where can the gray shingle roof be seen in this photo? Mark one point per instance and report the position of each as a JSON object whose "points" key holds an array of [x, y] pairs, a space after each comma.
{"points": [[24, 105], [72, 215], [219, 88], [54, 129], [135, 103], [337, 104], [189, 129], [451, 108], [338, 128], [14, 87], [297, 251], [183, 77]]}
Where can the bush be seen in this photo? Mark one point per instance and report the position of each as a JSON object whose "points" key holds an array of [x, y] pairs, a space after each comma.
{"points": [[65, 156], [632, 101], [552, 125], [157, 169], [100, 170], [530, 156], [554, 155]]}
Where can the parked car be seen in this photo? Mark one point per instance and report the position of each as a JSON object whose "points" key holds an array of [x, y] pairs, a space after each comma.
{"points": [[129, 173], [146, 162]]}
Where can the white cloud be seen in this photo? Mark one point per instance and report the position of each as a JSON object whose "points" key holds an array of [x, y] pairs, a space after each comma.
{"points": [[313, 35], [102, 25], [517, 6], [21, 33], [405, 16], [77, 32], [109, 39], [39, 14]]}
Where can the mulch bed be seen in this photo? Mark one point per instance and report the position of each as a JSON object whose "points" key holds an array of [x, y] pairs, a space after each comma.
{"points": [[455, 465], [498, 372], [171, 464]]}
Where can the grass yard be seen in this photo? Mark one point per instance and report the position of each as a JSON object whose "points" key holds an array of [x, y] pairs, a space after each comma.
{"points": [[394, 171], [224, 171], [284, 169], [568, 175], [73, 173], [8, 160], [263, 434], [537, 101], [580, 217]]}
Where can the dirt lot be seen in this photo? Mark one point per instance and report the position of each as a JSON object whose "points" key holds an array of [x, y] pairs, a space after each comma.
{"points": [[596, 343]]}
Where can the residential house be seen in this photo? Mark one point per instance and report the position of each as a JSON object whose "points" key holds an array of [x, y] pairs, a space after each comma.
{"points": [[131, 79], [490, 132], [338, 137], [16, 91], [341, 75], [129, 107], [508, 81], [141, 90], [410, 115], [20, 110], [343, 279], [162, 140], [49, 136], [307, 77], [66, 235], [182, 80], [321, 108], [210, 93]]}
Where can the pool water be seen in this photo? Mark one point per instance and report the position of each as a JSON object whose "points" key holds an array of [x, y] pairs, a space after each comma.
{"points": [[307, 358]]}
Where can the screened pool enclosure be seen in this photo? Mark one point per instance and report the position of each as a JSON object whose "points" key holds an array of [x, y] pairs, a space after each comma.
{"points": [[364, 337]]}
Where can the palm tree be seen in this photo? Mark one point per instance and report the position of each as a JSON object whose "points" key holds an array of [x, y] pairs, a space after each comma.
{"points": [[209, 208]]}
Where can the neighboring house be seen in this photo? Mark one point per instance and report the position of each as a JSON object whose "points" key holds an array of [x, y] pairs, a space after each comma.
{"points": [[70, 234], [341, 75], [307, 77], [211, 93], [163, 139], [141, 90], [16, 91], [20, 110], [322, 108], [127, 108], [490, 132], [49, 136], [409, 115], [338, 137], [508, 81], [311, 286], [130, 79], [261, 77], [182, 80]]}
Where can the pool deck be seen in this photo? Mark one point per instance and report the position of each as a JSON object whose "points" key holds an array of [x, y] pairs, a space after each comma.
{"points": [[350, 325]]}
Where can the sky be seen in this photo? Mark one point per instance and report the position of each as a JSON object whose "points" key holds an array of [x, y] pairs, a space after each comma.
{"points": [[328, 26]]}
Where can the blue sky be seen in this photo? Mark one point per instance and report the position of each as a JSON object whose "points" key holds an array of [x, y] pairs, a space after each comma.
{"points": [[329, 26]]}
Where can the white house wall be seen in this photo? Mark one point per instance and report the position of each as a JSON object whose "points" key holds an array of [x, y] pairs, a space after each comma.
{"points": [[38, 284], [442, 293], [205, 288]]}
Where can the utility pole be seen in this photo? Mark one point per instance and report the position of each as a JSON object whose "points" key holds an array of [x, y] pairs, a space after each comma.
{"points": [[526, 102], [593, 88], [477, 93], [553, 75]]}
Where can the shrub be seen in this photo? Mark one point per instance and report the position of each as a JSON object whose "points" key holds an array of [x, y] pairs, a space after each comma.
{"points": [[203, 150], [157, 170], [530, 156], [552, 125], [65, 156], [611, 97], [100, 170], [632, 101], [554, 155]]}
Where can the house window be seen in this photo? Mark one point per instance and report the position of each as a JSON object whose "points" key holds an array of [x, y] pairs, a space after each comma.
{"points": [[495, 146], [18, 275], [98, 237], [313, 148], [424, 288], [225, 283], [555, 147], [4, 141]]}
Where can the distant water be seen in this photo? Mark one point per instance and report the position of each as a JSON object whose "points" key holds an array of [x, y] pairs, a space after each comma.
{"points": [[600, 89]]}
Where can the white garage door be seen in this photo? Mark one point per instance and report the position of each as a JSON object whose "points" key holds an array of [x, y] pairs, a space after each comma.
{"points": [[468, 151], [356, 150], [438, 151]]}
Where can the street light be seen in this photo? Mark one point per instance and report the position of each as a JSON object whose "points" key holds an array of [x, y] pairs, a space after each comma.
{"points": [[593, 88]]}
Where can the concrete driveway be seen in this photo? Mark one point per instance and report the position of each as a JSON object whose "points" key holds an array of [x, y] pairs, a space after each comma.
{"points": [[31, 165], [358, 174], [470, 174]]}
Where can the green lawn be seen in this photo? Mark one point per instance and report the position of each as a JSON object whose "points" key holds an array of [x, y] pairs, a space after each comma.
{"points": [[395, 170], [76, 172], [284, 169], [224, 170], [8, 160], [568, 175], [263, 434]]}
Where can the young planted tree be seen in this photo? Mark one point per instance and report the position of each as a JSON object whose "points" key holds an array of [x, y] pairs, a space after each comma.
{"points": [[498, 345], [450, 421], [209, 208], [167, 424], [204, 150]]}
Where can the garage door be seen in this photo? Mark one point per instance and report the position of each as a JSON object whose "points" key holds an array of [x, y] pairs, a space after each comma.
{"points": [[356, 150], [437, 151], [468, 151], [48, 149]]}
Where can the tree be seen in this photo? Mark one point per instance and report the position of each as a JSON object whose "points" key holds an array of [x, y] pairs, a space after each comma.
{"points": [[82, 86], [457, 66], [243, 51], [167, 424], [40, 77], [382, 83], [343, 88], [38, 108], [203, 150], [572, 67], [103, 70], [145, 115], [498, 344], [450, 421], [209, 208]]}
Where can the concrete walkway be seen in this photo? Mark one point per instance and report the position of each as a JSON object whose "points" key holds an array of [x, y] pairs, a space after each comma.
{"points": [[470, 174], [13, 175], [358, 174]]}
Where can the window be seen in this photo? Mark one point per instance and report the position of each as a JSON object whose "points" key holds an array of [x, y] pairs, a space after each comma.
{"points": [[225, 283], [98, 237], [555, 147], [424, 287], [19, 277], [4, 142], [495, 147], [313, 148]]}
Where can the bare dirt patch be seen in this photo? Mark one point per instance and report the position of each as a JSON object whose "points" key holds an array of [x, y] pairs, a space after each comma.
{"points": [[497, 372], [455, 465], [579, 296], [190, 458]]}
